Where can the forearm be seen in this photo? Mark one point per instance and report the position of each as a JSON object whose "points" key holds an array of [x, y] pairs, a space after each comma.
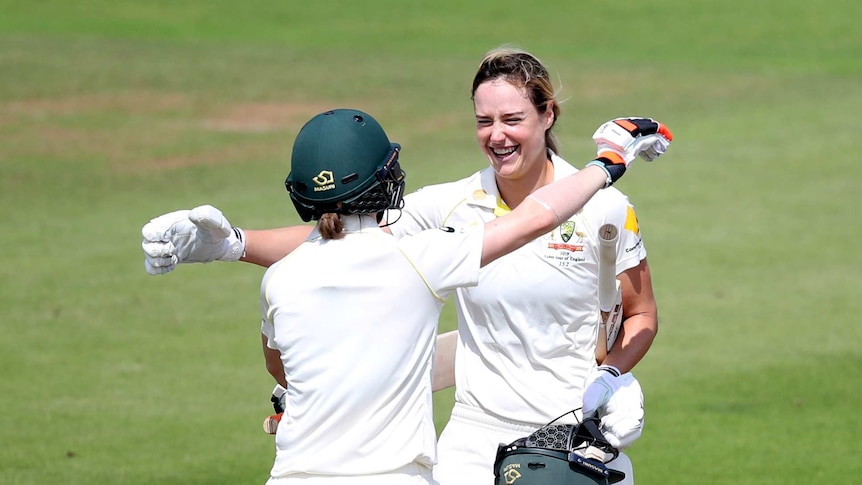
{"points": [[273, 362], [540, 212], [636, 337], [265, 247], [640, 318]]}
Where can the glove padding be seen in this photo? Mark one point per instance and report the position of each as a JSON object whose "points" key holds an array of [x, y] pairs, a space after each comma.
{"points": [[622, 418], [600, 384], [621, 140], [631, 138], [199, 235]]}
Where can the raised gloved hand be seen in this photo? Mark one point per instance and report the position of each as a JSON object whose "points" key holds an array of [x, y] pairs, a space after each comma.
{"points": [[633, 137], [620, 141], [200, 235], [622, 418]]}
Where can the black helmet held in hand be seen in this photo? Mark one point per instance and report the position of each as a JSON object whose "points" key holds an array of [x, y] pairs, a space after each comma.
{"points": [[343, 162]]}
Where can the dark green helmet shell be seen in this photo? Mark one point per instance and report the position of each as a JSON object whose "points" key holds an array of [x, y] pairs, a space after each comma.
{"points": [[540, 466], [343, 162], [555, 455]]}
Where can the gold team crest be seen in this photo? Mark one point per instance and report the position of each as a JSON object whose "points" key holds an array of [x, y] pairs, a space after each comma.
{"points": [[567, 229], [511, 475], [324, 180]]}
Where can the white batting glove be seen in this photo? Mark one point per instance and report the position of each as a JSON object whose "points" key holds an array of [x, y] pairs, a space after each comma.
{"points": [[200, 235], [633, 137], [600, 384], [622, 418]]}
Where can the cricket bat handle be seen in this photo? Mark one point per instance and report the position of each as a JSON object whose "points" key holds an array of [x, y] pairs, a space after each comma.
{"points": [[608, 236]]}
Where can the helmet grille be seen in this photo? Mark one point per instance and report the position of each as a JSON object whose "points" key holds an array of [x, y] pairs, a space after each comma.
{"points": [[555, 437], [372, 201]]}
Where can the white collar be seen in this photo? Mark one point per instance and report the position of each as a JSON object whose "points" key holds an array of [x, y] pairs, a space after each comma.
{"points": [[482, 191]]}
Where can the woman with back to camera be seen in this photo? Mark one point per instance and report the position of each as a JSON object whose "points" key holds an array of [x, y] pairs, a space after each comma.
{"points": [[527, 332]]}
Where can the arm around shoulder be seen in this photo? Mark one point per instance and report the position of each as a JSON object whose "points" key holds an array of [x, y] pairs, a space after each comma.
{"points": [[266, 246]]}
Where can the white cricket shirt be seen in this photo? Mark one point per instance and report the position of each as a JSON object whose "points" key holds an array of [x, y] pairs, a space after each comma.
{"points": [[528, 331], [355, 321]]}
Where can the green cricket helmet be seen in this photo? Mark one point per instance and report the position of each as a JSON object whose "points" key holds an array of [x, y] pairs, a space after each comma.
{"points": [[557, 455], [343, 162]]}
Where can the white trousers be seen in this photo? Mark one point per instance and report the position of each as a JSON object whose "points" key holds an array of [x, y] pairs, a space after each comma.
{"points": [[468, 447], [412, 474]]}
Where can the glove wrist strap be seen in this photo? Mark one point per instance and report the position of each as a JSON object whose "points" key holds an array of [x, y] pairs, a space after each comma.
{"points": [[235, 247], [610, 370], [613, 165]]}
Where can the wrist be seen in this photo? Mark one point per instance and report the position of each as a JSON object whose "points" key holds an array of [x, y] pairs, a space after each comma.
{"points": [[613, 165]]}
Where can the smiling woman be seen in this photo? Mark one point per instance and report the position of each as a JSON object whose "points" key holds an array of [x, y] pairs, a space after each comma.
{"points": [[529, 328]]}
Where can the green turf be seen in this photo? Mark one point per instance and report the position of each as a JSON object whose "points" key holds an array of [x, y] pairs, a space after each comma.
{"points": [[113, 112]]}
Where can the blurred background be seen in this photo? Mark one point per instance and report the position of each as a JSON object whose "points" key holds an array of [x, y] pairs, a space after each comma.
{"points": [[114, 112]]}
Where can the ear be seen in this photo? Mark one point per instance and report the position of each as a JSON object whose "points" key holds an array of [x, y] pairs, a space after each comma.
{"points": [[549, 116]]}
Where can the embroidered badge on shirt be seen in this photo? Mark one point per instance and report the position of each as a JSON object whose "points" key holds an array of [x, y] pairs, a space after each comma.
{"points": [[567, 252], [566, 230]]}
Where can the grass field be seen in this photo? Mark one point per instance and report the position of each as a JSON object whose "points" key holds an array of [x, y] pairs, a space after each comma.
{"points": [[114, 112]]}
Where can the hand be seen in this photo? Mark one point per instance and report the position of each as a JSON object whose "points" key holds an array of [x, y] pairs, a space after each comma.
{"points": [[278, 398], [270, 424], [622, 419], [621, 140], [200, 235], [633, 137], [600, 384]]}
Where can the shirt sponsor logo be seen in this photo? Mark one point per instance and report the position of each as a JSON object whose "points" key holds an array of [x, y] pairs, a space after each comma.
{"points": [[637, 245]]}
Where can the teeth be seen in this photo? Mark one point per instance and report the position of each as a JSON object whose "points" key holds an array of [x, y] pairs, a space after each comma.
{"points": [[502, 152]]}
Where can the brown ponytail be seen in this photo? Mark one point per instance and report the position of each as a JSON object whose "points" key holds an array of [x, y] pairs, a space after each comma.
{"points": [[331, 226]]}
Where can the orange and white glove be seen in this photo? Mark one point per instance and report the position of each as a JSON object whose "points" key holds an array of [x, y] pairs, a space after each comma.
{"points": [[620, 141]]}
